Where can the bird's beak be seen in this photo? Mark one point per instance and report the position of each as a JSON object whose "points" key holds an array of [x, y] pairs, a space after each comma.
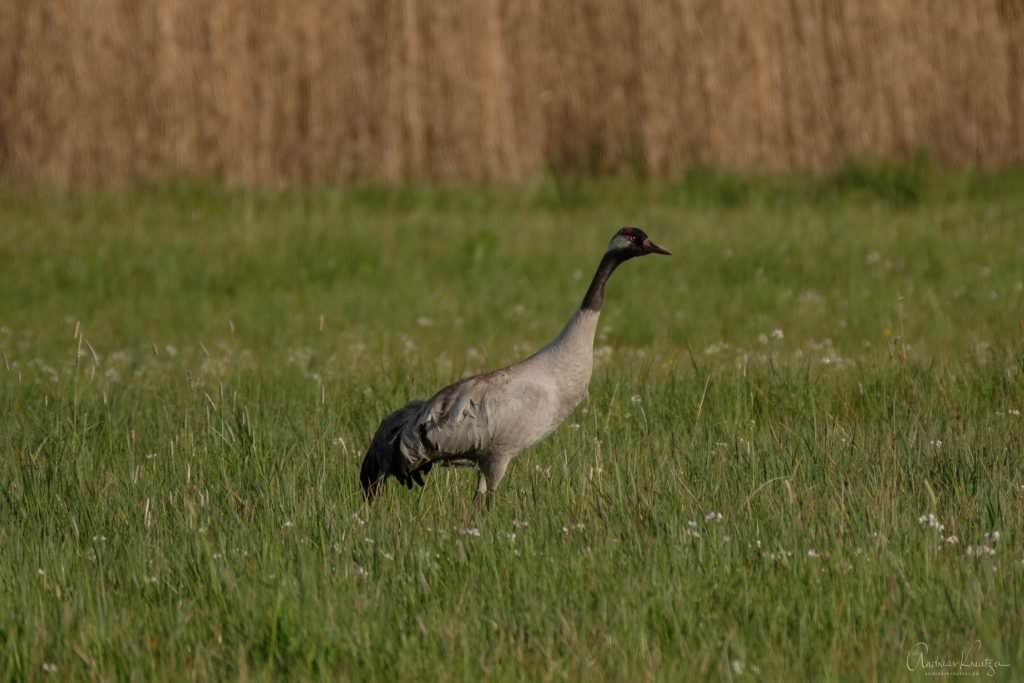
{"points": [[652, 248]]}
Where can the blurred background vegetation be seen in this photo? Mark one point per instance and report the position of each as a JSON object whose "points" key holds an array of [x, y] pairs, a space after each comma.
{"points": [[110, 92]]}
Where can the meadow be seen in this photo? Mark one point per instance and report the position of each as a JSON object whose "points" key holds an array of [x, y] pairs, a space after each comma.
{"points": [[800, 458]]}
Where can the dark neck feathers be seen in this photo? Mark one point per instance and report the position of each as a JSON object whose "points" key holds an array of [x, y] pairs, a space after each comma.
{"points": [[594, 298]]}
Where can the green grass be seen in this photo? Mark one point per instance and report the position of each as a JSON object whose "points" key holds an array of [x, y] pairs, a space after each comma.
{"points": [[190, 375]]}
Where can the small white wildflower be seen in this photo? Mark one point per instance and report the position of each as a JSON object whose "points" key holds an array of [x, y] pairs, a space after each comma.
{"points": [[49, 667], [692, 529], [518, 524], [288, 525], [951, 540], [469, 531], [171, 350], [930, 521], [635, 398], [713, 517], [986, 547], [935, 443], [40, 571], [1013, 411], [574, 426], [737, 667], [387, 556], [149, 579], [813, 553], [717, 347], [777, 334], [150, 456]]}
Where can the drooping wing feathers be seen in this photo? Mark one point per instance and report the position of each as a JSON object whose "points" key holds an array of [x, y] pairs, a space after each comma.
{"points": [[462, 422], [408, 441], [456, 421]]}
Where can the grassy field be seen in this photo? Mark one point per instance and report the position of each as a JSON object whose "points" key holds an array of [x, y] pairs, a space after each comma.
{"points": [[189, 377]]}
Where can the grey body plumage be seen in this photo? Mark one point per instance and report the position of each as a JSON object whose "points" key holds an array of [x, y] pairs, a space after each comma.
{"points": [[488, 419]]}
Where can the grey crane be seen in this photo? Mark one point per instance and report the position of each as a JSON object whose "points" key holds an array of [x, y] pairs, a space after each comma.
{"points": [[488, 419]]}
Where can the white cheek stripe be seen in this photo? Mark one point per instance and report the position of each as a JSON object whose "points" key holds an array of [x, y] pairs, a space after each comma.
{"points": [[619, 242]]}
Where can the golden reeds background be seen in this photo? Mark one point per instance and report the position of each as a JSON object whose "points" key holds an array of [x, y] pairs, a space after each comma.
{"points": [[266, 92]]}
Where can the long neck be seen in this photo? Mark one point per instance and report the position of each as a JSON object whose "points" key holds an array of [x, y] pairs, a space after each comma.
{"points": [[594, 298], [575, 343]]}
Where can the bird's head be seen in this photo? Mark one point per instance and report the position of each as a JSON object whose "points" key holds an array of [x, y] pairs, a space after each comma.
{"points": [[629, 242]]}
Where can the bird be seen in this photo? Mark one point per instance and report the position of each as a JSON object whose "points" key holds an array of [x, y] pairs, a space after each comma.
{"points": [[487, 420]]}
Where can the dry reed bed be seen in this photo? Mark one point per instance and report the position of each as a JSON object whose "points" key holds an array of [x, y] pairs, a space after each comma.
{"points": [[256, 92]]}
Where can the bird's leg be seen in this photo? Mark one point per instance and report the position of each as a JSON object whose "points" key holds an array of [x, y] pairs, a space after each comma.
{"points": [[491, 472], [481, 492]]}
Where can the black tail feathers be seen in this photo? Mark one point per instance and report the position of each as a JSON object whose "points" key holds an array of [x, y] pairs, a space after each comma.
{"points": [[384, 458]]}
